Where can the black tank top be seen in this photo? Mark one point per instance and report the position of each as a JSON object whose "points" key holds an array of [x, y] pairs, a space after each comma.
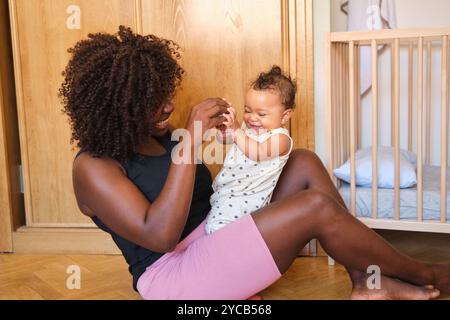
{"points": [[149, 174]]}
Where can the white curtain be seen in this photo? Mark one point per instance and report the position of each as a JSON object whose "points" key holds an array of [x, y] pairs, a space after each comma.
{"points": [[368, 15]]}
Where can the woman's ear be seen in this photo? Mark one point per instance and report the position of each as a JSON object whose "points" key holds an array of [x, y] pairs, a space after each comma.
{"points": [[286, 116]]}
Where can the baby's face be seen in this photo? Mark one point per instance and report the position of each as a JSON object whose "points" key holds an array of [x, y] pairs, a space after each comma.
{"points": [[264, 110]]}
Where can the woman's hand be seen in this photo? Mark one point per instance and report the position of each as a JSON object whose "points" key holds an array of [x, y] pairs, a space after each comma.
{"points": [[209, 114]]}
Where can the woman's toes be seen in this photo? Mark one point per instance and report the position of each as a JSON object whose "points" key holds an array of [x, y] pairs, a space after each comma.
{"points": [[424, 293], [434, 293]]}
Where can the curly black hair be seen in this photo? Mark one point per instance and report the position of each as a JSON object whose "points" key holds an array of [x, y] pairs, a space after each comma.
{"points": [[113, 85], [276, 79]]}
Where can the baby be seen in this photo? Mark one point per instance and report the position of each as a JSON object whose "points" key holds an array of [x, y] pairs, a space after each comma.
{"points": [[261, 147]]}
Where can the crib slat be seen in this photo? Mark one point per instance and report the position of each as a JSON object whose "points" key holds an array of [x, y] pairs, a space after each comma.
{"points": [[343, 115], [329, 116], [338, 104], [420, 131], [330, 54], [397, 126], [428, 106], [392, 94], [444, 133], [339, 99], [334, 57], [358, 96], [351, 65], [410, 97], [346, 101], [374, 129]]}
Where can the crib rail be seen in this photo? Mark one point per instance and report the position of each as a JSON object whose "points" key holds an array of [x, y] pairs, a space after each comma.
{"points": [[344, 112], [387, 35]]}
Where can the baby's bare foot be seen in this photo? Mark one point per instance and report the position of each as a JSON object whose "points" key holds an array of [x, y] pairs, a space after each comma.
{"points": [[392, 289]]}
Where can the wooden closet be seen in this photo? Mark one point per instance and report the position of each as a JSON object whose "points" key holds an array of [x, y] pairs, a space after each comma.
{"points": [[226, 43]]}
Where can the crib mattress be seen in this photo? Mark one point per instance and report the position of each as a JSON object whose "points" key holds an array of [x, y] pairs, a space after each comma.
{"points": [[408, 198]]}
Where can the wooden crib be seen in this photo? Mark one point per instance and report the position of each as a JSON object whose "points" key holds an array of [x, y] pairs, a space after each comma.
{"points": [[413, 48]]}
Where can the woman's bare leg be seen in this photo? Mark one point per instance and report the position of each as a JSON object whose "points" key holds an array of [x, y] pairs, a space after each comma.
{"points": [[288, 225], [303, 171]]}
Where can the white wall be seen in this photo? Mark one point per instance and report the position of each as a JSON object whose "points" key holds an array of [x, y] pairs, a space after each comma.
{"points": [[410, 14], [338, 18]]}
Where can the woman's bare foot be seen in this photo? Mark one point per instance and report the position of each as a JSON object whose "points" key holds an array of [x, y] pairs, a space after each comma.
{"points": [[442, 277], [392, 289]]}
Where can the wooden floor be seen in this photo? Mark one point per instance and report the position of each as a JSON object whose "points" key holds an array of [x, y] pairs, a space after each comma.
{"points": [[107, 277]]}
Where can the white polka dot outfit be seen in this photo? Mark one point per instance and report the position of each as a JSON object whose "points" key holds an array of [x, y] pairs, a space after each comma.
{"points": [[244, 185]]}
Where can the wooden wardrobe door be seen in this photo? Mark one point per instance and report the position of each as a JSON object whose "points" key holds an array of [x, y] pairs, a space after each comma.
{"points": [[11, 200], [225, 45], [42, 32]]}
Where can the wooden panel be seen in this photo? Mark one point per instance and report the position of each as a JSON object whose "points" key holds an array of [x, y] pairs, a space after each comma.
{"points": [[63, 240], [39, 27], [5, 196], [302, 124], [11, 200]]}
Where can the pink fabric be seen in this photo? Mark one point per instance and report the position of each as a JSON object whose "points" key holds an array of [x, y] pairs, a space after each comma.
{"points": [[231, 263]]}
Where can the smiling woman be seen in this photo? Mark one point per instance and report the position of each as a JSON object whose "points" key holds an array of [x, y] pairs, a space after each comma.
{"points": [[112, 83]]}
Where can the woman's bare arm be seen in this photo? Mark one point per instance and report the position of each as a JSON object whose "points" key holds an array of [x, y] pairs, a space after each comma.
{"points": [[102, 187]]}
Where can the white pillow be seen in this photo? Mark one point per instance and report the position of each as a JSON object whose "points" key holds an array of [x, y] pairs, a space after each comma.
{"points": [[386, 162], [410, 156]]}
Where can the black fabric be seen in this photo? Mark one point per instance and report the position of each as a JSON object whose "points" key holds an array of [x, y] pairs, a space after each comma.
{"points": [[149, 173]]}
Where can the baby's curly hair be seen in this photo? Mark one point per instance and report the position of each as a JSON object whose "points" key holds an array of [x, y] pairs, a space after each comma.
{"points": [[113, 85], [276, 80]]}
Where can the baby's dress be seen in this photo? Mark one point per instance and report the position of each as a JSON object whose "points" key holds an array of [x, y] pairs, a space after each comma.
{"points": [[244, 185]]}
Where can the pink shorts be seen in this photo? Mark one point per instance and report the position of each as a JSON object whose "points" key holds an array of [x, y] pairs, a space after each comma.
{"points": [[231, 263]]}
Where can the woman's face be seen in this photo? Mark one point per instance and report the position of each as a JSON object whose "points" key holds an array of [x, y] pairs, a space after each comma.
{"points": [[161, 122]]}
